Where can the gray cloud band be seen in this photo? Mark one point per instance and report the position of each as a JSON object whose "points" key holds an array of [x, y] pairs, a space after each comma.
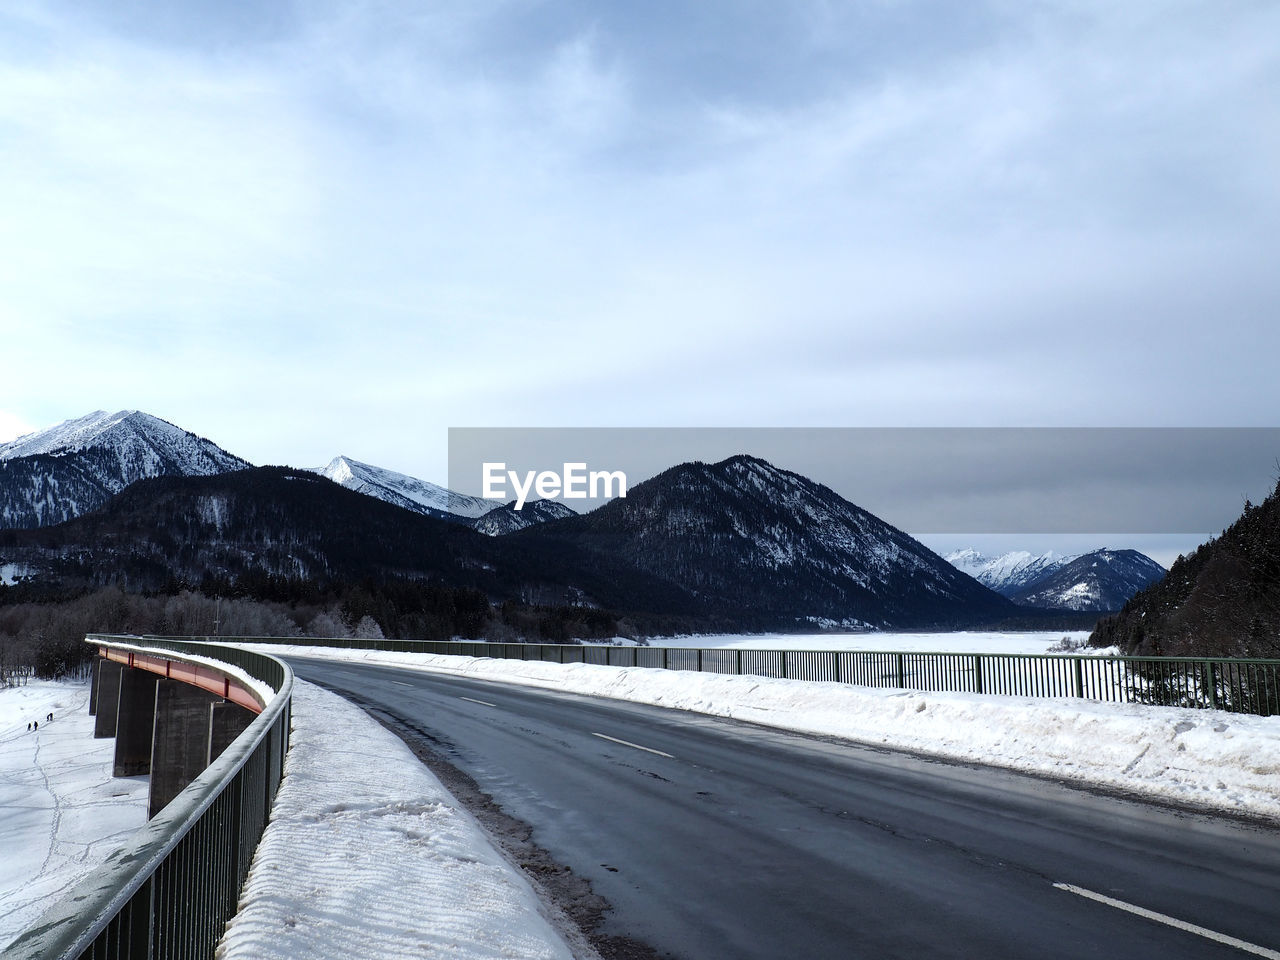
{"points": [[938, 480]]}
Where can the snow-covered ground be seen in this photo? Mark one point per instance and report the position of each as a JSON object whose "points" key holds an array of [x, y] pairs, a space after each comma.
{"points": [[960, 642], [367, 855], [1207, 758], [61, 811]]}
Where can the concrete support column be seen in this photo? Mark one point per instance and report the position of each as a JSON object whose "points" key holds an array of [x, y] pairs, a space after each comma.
{"points": [[93, 686], [180, 743], [227, 721], [135, 721], [104, 724]]}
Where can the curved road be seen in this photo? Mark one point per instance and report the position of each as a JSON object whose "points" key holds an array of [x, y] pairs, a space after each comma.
{"points": [[716, 839]]}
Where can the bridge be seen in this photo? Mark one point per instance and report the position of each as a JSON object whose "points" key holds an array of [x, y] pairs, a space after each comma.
{"points": [[169, 893]]}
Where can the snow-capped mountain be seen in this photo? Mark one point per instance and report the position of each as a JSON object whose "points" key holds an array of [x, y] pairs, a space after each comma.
{"points": [[507, 519], [744, 535], [1009, 572], [69, 469], [404, 491], [1099, 581]]}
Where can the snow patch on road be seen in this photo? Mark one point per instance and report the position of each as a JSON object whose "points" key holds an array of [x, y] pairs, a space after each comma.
{"points": [[367, 855], [1217, 760]]}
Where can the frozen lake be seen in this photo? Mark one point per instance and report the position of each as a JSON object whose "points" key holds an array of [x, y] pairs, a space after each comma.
{"points": [[959, 642]]}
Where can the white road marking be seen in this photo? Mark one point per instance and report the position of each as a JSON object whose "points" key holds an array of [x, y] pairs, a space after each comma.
{"points": [[483, 703], [628, 743], [402, 683], [1173, 922]]}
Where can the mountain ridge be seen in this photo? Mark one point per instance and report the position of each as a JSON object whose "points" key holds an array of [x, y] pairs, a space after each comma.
{"points": [[403, 490], [1098, 581], [737, 529], [507, 519], [54, 475]]}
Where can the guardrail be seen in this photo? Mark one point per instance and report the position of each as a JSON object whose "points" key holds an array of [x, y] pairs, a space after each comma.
{"points": [[1235, 685], [171, 889]]}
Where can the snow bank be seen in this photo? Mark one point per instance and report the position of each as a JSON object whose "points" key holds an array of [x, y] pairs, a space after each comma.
{"points": [[63, 812], [1202, 757], [367, 855]]}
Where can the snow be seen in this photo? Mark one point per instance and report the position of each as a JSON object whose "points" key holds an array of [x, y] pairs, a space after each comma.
{"points": [[1210, 759], [367, 855], [402, 489], [63, 811], [1011, 570], [958, 642], [11, 573], [262, 690], [64, 437], [141, 443]]}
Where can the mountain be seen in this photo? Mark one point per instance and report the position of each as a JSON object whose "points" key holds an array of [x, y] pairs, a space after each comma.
{"points": [[403, 490], [735, 545], [1009, 572], [1099, 581], [745, 536], [507, 519], [247, 529], [77, 466], [1222, 600]]}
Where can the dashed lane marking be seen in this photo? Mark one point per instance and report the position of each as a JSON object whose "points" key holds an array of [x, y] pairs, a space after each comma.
{"points": [[628, 743], [1173, 922]]}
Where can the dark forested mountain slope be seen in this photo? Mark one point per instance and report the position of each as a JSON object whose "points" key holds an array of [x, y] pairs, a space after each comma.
{"points": [[745, 535], [294, 524], [507, 519], [1222, 600]]}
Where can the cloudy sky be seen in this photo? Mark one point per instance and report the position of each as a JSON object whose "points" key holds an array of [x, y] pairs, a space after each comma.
{"points": [[322, 227]]}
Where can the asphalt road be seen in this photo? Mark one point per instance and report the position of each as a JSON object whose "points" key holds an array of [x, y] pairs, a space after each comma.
{"points": [[716, 839]]}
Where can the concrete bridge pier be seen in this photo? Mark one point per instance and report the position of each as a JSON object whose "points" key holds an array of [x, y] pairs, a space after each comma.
{"points": [[135, 720], [180, 744], [108, 699], [227, 721], [167, 728]]}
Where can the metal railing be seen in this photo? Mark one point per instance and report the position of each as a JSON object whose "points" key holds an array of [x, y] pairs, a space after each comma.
{"points": [[170, 890], [1235, 685]]}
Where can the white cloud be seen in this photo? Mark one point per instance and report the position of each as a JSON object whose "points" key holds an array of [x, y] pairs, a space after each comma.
{"points": [[12, 426], [518, 212]]}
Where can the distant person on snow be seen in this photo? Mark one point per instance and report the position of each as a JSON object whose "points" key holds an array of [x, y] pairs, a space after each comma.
{"points": [[37, 724], [28, 726], [49, 717]]}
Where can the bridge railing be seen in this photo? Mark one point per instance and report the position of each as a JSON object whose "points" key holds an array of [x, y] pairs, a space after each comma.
{"points": [[170, 890], [1235, 685]]}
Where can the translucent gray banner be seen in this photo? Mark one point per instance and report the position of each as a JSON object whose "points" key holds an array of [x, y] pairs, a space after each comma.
{"points": [[939, 480]]}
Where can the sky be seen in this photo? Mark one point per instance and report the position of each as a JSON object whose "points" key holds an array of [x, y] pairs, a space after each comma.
{"points": [[313, 228]]}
